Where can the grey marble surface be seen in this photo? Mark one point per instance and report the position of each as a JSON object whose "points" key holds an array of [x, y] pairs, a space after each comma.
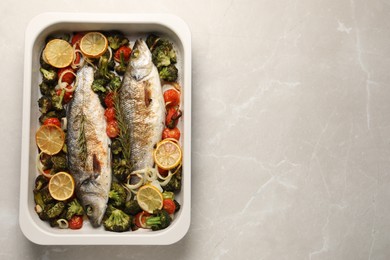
{"points": [[291, 129]]}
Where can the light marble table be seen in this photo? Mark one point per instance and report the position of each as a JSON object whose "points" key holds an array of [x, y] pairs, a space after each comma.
{"points": [[291, 129]]}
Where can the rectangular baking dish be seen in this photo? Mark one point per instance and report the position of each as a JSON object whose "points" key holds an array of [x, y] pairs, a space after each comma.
{"points": [[133, 25]]}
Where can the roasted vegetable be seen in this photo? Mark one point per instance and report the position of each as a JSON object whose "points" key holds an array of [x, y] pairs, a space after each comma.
{"points": [[168, 73], [132, 207], [116, 220], [163, 53], [121, 67], [117, 195], [168, 195], [49, 76], [103, 70], [57, 114], [57, 100], [60, 163], [40, 182], [152, 40], [99, 85], [46, 89], [53, 210], [120, 169], [45, 104], [159, 220], [177, 205], [115, 83], [116, 39], [73, 208], [62, 36], [174, 184]]}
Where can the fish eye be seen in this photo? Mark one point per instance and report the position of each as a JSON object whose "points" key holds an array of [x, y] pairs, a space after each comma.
{"points": [[135, 53], [89, 210]]}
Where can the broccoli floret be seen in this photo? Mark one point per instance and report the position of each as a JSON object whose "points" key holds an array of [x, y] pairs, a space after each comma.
{"points": [[60, 163], [43, 63], [43, 197], [117, 195], [116, 220], [132, 207], [53, 210], [159, 220], [116, 40], [99, 85], [174, 184], [57, 100], [45, 104], [73, 208], [115, 83], [40, 182], [120, 169], [49, 76], [163, 54], [168, 73], [46, 89], [152, 40]]}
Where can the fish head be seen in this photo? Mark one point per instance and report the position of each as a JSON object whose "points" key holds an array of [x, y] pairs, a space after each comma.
{"points": [[94, 199], [95, 207], [140, 60]]}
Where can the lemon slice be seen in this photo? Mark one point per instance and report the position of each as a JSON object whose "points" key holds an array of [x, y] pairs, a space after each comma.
{"points": [[61, 186], [50, 139], [167, 154], [93, 44], [149, 198], [58, 53]]}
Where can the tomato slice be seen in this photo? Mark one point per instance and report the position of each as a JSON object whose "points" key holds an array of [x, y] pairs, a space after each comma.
{"points": [[52, 121], [169, 206], [76, 222]]}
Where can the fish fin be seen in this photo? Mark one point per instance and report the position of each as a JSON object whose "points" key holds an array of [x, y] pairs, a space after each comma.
{"points": [[147, 95], [96, 164]]}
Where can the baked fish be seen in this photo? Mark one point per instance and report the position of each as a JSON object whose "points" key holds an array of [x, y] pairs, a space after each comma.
{"points": [[88, 148], [142, 105]]}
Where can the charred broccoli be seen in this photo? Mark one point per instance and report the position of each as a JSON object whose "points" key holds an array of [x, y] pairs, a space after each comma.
{"points": [[46, 89], [53, 210], [152, 40], [103, 69], [163, 54], [99, 85], [132, 207], [40, 182], [116, 40], [45, 104], [49, 76], [60, 162], [121, 67], [74, 208], [117, 195], [177, 205], [57, 100], [117, 220], [174, 184], [168, 73], [159, 220]]}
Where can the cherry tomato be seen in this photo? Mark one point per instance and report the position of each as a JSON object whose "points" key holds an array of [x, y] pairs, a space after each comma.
{"points": [[76, 222], [112, 129], [68, 77], [76, 39], [163, 173], [169, 206], [126, 50], [172, 117], [108, 100], [172, 97], [52, 121], [109, 113], [171, 133], [140, 219]]}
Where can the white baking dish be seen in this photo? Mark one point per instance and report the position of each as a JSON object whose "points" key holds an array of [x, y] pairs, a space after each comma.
{"points": [[133, 25]]}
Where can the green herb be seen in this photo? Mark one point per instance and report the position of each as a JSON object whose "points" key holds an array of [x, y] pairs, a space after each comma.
{"points": [[82, 140]]}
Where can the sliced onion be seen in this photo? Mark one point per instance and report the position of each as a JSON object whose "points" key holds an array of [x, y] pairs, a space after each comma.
{"points": [[62, 223], [81, 63], [137, 185], [170, 85], [157, 185], [165, 182], [110, 51], [151, 174], [64, 123], [64, 84]]}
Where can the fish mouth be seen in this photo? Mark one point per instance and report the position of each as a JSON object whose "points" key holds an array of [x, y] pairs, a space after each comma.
{"points": [[95, 207]]}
